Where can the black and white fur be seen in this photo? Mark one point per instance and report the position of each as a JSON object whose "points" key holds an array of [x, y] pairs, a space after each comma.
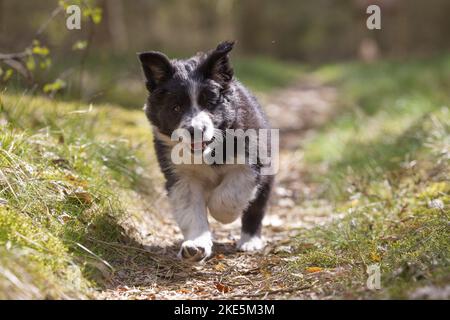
{"points": [[201, 94]]}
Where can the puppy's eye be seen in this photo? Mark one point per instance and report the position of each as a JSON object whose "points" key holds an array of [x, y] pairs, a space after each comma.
{"points": [[177, 108]]}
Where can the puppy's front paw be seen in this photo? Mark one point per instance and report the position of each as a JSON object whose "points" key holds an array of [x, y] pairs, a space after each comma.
{"points": [[250, 243], [195, 250]]}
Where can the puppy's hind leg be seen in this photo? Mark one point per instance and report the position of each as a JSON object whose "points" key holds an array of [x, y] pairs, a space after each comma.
{"points": [[252, 218]]}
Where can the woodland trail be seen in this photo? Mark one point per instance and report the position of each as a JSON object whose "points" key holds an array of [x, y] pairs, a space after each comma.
{"points": [[148, 269]]}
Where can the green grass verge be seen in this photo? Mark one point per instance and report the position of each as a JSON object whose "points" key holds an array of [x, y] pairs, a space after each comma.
{"points": [[63, 168], [384, 162], [265, 74]]}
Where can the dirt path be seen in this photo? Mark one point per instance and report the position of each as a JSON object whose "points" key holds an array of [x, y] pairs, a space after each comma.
{"points": [[151, 271]]}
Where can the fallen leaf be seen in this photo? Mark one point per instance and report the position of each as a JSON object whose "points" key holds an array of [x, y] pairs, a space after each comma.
{"points": [[220, 267], [198, 289], [375, 256], [183, 291], [313, 269], [223, 288]]}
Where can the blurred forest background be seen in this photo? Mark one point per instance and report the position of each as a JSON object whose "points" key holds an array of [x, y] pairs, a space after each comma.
{"points": [[309, 32]]}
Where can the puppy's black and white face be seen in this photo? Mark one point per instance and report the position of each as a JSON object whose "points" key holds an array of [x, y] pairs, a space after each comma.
{"points": [[191, 94]]}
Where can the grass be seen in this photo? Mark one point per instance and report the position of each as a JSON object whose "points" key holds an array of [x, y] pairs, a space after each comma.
{"points": [[384, 162], [265, 74], [63, 168]]}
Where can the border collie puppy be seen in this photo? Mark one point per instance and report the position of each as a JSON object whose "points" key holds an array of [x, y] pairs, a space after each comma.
{"points": [[201, 95]]}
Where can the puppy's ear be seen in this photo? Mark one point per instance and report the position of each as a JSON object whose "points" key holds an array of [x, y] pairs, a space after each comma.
{"points": [[157, 68], [217, 64]]}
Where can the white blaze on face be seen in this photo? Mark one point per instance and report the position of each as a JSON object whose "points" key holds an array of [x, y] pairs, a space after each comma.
{"points": [[202, 121], [198, 119]]}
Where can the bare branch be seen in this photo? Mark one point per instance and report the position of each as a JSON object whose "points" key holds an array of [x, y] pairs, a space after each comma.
{"points": [[12, 56]]}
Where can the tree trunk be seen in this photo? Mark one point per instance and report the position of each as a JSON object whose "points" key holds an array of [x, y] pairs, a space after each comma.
{"points": [[116, 24]]}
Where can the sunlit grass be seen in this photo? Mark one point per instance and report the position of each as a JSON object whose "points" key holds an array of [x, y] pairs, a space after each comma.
{"points": [[62, 170], [385, 164]]}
